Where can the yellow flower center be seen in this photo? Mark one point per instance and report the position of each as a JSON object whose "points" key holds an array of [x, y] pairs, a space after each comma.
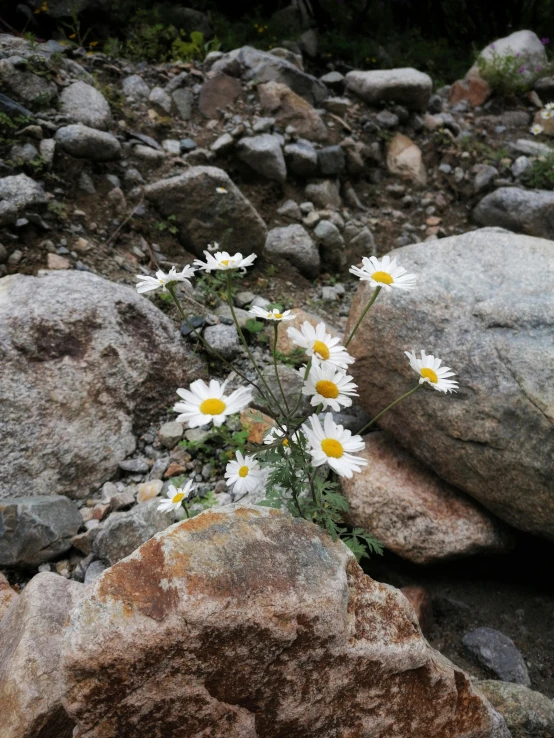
{"points": [[429, 374], [225, 262], [383, 277], [332, 448], [278, 315], [327, 389], [177, 498], [320, 348], [243, 471], [286, 442], [212, 407]]}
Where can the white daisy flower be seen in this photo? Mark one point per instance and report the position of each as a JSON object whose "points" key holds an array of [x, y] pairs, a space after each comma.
{"points": [[162, 280], [244, 474], [175, 497], [547, 114], [332, 444], [430, 370], [549, 106], [330, 388], [320, 345], [222, 261], [536, 130], [271, 314], [208, 403], [384, 273], [221, 190], [275, 434]]}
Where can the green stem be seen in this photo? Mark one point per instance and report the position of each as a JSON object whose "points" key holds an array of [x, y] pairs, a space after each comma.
{"points": [[376, 418], [362, 316], [245, 344], [276, 334], [186, 511], [308, 367]]}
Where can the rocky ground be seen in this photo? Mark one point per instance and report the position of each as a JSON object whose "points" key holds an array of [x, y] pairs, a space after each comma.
{"points": [[110, 169]]}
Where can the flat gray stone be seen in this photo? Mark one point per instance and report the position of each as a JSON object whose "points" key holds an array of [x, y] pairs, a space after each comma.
{"points": [[496, 652], [36, 529], [83, 142], [224, 339], [123, 532], [184, 101], [301, 158], [405, 86], [134, 86], [518, 210]]}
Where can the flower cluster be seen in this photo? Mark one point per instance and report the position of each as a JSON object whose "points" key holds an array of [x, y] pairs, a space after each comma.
{"points": [[297, 448], [547, 113]]}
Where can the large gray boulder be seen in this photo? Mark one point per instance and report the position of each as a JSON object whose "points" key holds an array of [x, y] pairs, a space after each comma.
{"points": [[207, 207], [264, 155], [404, 86], [36, 529], [31, 635], [85, 363], [245, 622], [83, 103], [526, 45], [518, 210], [483, 304], [31, 89], [253, 64]]}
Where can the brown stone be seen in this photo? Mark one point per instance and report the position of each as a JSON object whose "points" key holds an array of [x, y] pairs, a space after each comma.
{"points": [[7, 595], [174, 469], [217, 94], [257, 423], [244, 622], [547, 125], [419, 599], [413, 512], [285, 344], [472, 88], [31, 636], [434, 220], [404, 158], [289, 109], [54, 261]]}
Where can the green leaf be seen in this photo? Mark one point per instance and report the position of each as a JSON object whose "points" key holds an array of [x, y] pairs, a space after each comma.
{"points": [[253, 326]]}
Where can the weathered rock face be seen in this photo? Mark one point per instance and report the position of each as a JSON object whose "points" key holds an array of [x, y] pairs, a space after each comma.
{"points": [[36, 529], [31, 634], [524, 44], [204, 215], [406, 86], [264, 67], [27, 87], [413, 512], [528, 714], [519, 210], [484, 305], [21, 191], [289, 109], [472, 88], [245, 622], [83, 359]]}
